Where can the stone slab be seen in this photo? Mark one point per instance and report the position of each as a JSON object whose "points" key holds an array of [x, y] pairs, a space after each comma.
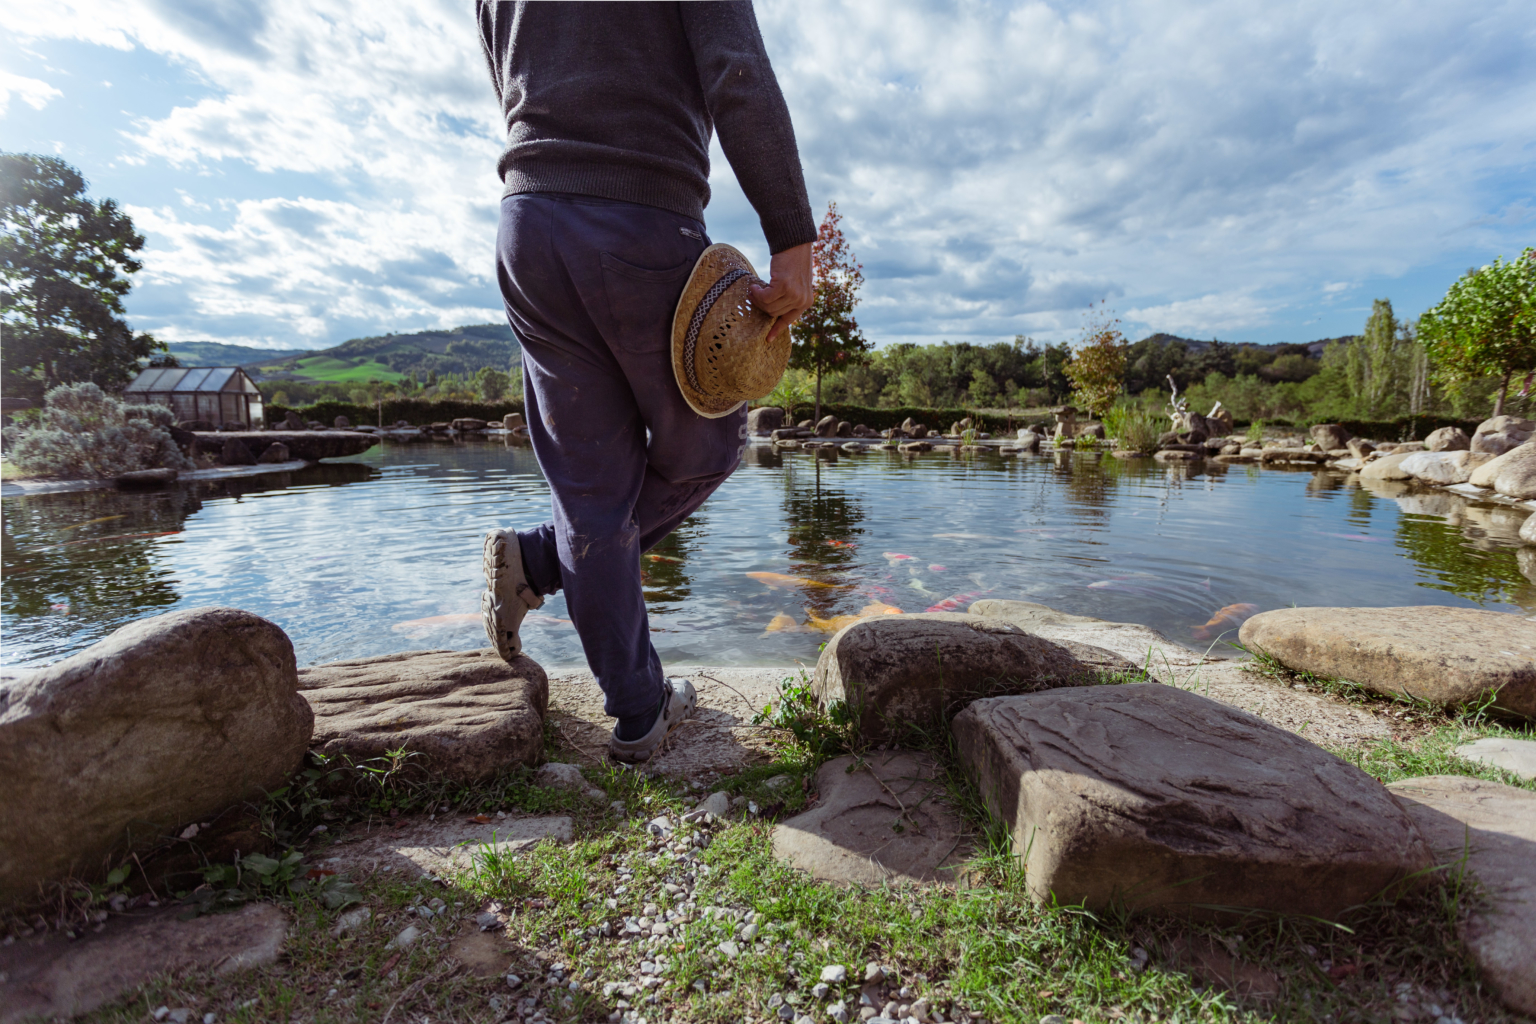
{"points": [[1430, 652], [1150, 797], [1518, 756], [884, 822], [310, 445], [449, 845], [467, 713], [1494, 825], [49, 975]]}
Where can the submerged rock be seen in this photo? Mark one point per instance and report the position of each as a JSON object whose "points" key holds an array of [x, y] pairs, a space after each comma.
{"points": [[1430, 652], [1150, 797], [466, 713], [886, 821], [170, 719], [1494, 827]]}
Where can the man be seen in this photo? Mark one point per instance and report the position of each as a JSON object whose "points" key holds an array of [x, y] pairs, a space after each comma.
{"points": [[609, 109]]}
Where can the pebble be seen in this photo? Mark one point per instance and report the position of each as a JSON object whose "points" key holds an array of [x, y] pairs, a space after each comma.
{"points": [[1053, 1018], [748, 932], [835, 974], [838, 1012], [405, 939], [873, 973], [820, 990], [779, 782], [351, 921], [732, 951]]}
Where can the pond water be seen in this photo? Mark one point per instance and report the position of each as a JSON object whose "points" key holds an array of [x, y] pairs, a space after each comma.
{"points": [[381, 553]]}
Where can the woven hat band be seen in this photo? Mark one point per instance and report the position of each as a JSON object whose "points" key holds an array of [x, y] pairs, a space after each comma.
{"points": [[691, 340]]}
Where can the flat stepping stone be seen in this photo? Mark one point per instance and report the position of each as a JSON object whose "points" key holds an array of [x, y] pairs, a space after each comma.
{"points": [[466, 713], [886, 822], [1494, 825], [450, 845], [50, 975], [1429, 652], [905, 673], [1518, 756], [1147, 796]]}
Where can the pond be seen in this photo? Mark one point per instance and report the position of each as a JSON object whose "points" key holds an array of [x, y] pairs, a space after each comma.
{"points": [[380, 553]]}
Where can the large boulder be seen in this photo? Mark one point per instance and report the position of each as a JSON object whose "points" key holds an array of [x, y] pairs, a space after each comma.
{"points": [[764, 420], [909, 673], [514, 421], [1388, 467], [235, 453], [1528, 530], [169, 720], [1150, 797], [1494, 827], [466, 713], [276, 452], [826, 426], [1488, 472], [1448, 439], [1517, 477], [1328, 436], [1441, 467], [1499, 434], [1429, 652], [885, 819], [291, 421], [468, 424]]}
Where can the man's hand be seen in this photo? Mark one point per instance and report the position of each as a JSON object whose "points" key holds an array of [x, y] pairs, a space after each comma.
{"points": [[789, 291]]}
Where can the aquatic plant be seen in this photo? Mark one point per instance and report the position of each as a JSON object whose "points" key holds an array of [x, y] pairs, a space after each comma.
{"points": [[1256, 432], [86, 433], [1133, 426]]}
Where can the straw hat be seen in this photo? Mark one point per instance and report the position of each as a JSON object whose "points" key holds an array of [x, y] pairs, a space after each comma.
{"points": [[720, 353]]}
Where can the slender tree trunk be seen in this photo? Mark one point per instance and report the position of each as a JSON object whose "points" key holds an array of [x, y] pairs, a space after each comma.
{"points": [[818, 393], [1498, 405]]}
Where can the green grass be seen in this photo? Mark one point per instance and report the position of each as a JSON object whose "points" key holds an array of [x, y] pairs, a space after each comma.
{"points": [[985, 949], [340, 371]]}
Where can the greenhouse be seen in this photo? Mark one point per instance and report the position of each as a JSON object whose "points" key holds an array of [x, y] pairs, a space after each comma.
{"points": [[213, 394]]}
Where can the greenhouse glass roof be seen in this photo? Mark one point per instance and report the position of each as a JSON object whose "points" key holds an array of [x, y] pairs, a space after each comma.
{"points": [[185, 379]]}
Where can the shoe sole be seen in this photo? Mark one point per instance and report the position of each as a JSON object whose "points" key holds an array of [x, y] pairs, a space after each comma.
{"points": [[501, 610]]}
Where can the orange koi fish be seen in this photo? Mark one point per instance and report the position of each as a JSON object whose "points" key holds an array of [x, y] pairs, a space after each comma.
{"points": [[837, 622], [893, 557], [779, 581], [663, 558], [1225, 620], [781, 623], [956, 603]]}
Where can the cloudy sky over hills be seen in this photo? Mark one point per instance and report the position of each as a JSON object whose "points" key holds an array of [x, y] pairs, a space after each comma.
{"points": [[307, 172]]}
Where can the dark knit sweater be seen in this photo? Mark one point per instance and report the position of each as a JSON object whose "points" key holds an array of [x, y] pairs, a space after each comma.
{"points": [[618, 100]]}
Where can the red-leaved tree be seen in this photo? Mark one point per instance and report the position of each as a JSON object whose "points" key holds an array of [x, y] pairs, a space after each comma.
{"points": [[827, 337]]}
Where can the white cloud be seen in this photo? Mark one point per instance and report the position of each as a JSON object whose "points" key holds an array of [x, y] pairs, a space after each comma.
{"points": [[1207, 168], [30, 91]]}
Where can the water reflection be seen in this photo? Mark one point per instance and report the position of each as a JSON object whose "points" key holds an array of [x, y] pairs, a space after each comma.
{"points": [[380, 553]]}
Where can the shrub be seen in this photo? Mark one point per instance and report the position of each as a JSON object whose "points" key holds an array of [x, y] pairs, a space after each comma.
{"points": [[85, 432], [1133, 426]]}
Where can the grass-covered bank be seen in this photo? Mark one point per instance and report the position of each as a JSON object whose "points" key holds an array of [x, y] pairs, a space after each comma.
{"points": [[586, 913]]}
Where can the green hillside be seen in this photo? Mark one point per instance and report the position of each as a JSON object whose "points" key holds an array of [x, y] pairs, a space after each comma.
{"points": [[216, 353], [389, 357]]}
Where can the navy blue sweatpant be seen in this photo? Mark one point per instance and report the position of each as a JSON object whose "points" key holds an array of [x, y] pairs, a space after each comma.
{"points": [[590, 287]]}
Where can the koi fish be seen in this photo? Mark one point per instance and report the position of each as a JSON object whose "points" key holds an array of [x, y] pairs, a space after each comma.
{"points": [[893, 557], [436, 622], [663, 558], [780, 581], [88, 522], [1228, 618], [938, 568], [841, 544], [879, 608], [837, 622], [956, 603], [917, 585], [781, 623], [964, 536]]}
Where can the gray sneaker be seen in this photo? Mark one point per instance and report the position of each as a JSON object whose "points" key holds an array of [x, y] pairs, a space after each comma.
{"points": [[507, 597], [680, 705]]}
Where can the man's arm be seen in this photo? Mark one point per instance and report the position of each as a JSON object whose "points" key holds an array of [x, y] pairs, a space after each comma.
{"points": [[758, 138]]}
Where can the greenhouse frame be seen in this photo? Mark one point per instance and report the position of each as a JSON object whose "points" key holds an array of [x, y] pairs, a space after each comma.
{"points": [[215, 394]]}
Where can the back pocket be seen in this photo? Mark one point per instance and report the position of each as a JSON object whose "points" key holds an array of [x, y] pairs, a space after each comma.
{"points": [[641, 303]]}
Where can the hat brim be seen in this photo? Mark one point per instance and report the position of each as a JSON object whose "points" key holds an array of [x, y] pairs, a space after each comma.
{"points": [[700, 281]]}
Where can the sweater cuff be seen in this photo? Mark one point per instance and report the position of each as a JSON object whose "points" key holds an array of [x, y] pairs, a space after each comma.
{"points": [[787, 230]]}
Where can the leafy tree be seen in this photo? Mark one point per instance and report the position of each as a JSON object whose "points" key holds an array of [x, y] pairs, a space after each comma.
{"points": [[492, 384], [1097, 370], [827, 336], [1485, 325], [65, 261]]}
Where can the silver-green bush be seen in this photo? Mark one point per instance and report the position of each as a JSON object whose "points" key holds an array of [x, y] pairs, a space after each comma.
{"points": [[86, 433]]}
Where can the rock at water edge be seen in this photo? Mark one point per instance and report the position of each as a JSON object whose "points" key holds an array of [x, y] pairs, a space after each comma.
{"points": [[1441, 467], [885, 822], [466, 713], [1484, 475], [275, 452], [1494, 827], [171, 719], [1388, 467], [49, 976], [1151, 797], [1430, 652], [1500, 434], [905, 674], [1528, 529], [1517, 479]]}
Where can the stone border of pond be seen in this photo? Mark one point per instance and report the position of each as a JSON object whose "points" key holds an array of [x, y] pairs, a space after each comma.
{"points": [[20, 488]]}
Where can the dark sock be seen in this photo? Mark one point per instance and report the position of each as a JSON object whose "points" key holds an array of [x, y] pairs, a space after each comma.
{"points": [[636, 726]]}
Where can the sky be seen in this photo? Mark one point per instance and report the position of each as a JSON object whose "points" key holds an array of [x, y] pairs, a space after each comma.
{"points": [[308, 172]]}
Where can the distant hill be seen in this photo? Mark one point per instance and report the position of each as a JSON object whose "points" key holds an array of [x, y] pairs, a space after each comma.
{"points": [[216, 353], [389, 357], [1314, 348]]}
